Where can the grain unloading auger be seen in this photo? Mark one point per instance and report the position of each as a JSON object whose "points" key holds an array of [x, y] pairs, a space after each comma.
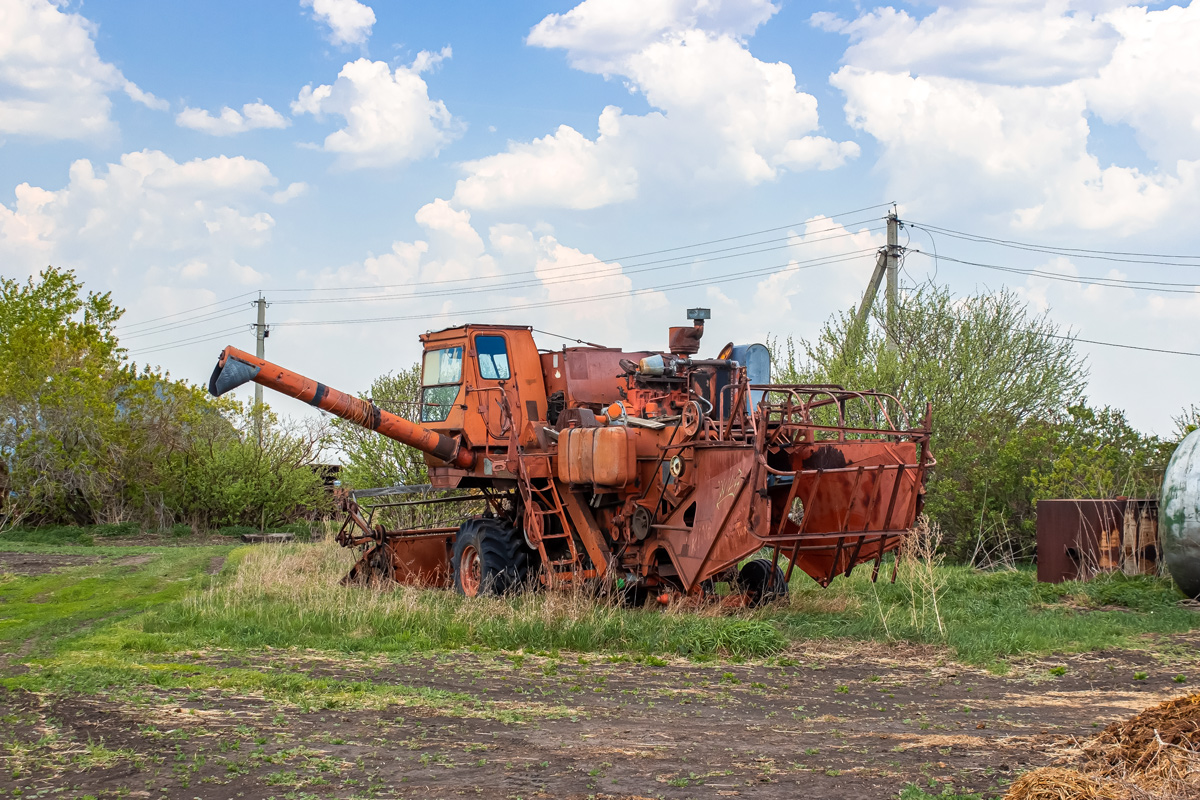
{"points": [[659, 471]]}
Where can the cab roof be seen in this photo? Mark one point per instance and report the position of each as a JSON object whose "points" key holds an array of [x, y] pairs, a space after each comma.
{"points": [[459, 331]]}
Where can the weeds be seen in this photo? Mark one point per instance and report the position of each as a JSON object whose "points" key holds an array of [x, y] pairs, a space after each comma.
{"points": [[290, 595]]}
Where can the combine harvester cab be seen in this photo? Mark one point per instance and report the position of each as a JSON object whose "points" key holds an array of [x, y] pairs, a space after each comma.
{"points": [[656, 472]]}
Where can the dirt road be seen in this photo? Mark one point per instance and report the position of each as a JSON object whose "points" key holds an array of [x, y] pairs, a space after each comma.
{"points": [[830, 721]]}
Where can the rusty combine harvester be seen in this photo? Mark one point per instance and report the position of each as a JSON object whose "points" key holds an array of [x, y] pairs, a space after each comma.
{"points": [[657, 471]]}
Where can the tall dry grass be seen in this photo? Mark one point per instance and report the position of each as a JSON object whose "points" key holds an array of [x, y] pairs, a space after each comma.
{"points": [[290, 595]]}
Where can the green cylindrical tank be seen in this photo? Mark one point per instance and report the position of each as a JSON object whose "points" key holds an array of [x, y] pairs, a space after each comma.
{"points": [[1179, 515]]}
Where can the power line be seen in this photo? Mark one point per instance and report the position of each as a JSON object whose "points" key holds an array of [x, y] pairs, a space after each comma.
{"points": [[183, 313], [615, 270], [1122, 346], [1080, 252], [173, 326], [791, 266], [135, 325], [1115, 283], [626, 257], [204, 337]]}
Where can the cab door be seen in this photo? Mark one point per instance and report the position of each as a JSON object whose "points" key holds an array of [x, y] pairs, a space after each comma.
{"points": [[493, 382]]}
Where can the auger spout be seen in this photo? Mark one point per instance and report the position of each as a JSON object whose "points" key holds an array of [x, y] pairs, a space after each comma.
{"points": [[236, 367]]}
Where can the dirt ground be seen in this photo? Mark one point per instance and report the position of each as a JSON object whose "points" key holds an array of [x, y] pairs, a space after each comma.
{"points": [[827, 721], [41, 563]]}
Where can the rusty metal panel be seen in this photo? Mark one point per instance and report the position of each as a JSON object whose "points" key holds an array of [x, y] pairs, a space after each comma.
{"points": [[591, 373], [1080, 538], [421, 561]]}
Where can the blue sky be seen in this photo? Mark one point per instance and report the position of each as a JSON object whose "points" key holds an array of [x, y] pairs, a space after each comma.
{"points": [[513, 157]]}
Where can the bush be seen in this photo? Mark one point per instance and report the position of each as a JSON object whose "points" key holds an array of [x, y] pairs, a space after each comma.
{"points": [[181, 529], [53, 535], [117, 529]]}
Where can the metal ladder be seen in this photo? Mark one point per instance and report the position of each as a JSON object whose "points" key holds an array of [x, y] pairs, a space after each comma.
{"points": [[544, 503]]}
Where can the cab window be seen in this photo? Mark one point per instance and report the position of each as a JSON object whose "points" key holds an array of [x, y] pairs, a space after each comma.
{"points": [[493, 357], [440, 376]]}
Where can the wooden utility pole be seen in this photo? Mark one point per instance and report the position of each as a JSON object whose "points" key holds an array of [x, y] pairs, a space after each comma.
{"points": [[893, 279], [260, 341], [886, 265]]}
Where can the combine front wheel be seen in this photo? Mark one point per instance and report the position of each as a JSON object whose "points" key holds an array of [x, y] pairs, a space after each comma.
{"points": [[489, 558]]}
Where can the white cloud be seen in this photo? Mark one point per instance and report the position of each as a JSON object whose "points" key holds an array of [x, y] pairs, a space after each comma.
{"points": [[389, 115], [828, 264], [1006, 43], [144, 219], [229, 121], [53, 83], [1151, 82], [998, 97], [349, 21], [514, 270], [565, 169], [720, 115], [596, 33]]}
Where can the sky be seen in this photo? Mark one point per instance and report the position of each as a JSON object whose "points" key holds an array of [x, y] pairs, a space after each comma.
{"points": [[593, 169]]}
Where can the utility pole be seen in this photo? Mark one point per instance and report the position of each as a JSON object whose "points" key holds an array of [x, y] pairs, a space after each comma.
{"points": [[893, 279], [887, 265], [260, 341]]}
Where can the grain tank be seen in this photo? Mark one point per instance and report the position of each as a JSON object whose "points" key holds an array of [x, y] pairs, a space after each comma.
{"points": [[1179, 515], [655, 470]]}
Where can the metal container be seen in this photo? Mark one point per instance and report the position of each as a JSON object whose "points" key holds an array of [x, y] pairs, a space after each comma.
{"points": [[1080, 538], [1180, 500]]}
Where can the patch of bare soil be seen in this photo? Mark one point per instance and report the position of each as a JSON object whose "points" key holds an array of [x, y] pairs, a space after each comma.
{"points": [[830, 721], [41, 563], [134, 561]]}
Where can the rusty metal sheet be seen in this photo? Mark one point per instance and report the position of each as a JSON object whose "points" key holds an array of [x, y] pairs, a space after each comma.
{"points": [[1080, 538]]}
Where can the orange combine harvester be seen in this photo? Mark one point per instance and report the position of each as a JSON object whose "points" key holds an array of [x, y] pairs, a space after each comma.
{"points": [[658, 471]]}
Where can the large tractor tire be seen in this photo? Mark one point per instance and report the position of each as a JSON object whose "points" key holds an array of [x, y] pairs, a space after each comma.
{"points": [[489, 557], [759, 584]]}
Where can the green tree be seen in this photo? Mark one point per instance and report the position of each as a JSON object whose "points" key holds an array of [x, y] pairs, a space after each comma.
{"points": [[88, 437], [1097, 453], [371, 460], [59, 358]]}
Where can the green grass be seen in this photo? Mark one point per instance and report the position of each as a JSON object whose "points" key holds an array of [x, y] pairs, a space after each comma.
{"points": [[52, 535], [289, 597], [989, 617], [53, 611]]}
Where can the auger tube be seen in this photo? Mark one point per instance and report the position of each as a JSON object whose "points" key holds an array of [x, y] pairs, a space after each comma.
{"points": [[236, 367]]}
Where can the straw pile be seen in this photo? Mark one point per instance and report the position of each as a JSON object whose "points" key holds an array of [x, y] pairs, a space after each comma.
{"points": [[1155, 754]]}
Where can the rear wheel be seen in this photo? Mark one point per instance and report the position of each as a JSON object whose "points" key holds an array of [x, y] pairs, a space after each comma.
{"points": [[489, 557], [762, 582]]}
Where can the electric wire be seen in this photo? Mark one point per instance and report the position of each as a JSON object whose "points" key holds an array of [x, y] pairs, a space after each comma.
{"points": [[1115, 283], [1079, 252], [206, 318], [632, 256], [227, 300], [184, 342], [615, 270], [132, 326], [791, 266]]}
